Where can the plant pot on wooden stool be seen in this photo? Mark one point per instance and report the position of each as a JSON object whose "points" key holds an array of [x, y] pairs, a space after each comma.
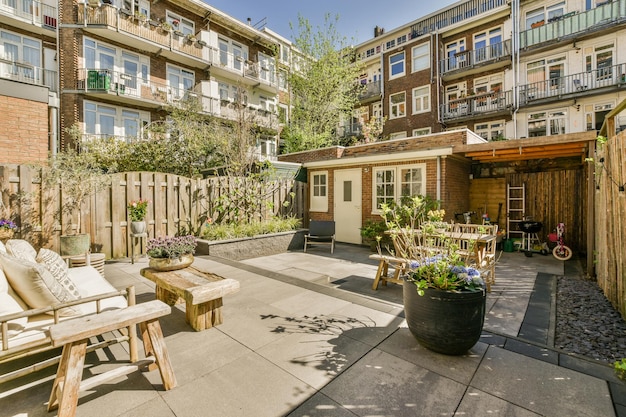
{"points": [[139, 227], [71, 245]]}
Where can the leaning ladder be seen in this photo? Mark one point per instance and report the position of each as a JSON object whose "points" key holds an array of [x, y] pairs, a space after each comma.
{"points": [[515, 210]]}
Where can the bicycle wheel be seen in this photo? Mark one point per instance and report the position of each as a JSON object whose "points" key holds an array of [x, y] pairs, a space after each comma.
{"points": [[562, 253]]}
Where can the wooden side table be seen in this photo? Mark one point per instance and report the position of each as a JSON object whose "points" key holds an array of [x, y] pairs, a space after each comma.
{"points": [[95, 259], [201, 290]]}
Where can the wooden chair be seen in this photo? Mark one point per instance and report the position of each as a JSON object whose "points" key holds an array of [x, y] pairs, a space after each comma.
{"points": [[321, 232]]}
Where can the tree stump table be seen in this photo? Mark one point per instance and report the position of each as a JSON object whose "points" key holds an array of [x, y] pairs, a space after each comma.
{"points": [[201, 291]]}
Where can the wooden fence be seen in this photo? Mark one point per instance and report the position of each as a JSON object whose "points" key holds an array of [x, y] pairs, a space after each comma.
{"points": [[610, 219], [177, 205]]}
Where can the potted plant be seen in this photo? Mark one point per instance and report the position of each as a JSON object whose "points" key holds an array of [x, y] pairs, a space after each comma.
{"points": [[137, 213], [443, 294], [190, 38], [373, 234], [7, 228], [79, 176], [166, 27], [171, 253]]}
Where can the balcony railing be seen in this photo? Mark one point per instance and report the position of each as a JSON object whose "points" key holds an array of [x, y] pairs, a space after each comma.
{"points": [[26, 73], [31, 10], [467, 10], [109, 16], [242, 67], [350, 129], [371, 90], [569, 25], [477, 105], [131, 86], [575, 84], [468, 59]]}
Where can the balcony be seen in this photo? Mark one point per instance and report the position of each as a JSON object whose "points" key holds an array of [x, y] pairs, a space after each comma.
{"points": [[572, 25], [350, 129], [26, 73], [231, 66], [598, 81], [119, 25], [370, 92], [476, 106], [467, 60], [250, 114], [31, 15]]}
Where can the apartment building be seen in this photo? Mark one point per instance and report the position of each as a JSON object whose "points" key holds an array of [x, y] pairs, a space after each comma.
{"points": [[121, 63], [503, 69]]}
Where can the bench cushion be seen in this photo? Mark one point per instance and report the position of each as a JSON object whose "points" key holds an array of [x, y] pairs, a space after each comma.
{"points": [[9, 305], [21, 249], [35, 284]]}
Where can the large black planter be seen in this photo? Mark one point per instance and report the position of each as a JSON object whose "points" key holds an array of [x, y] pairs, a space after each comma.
{"points": [[442, 321]]}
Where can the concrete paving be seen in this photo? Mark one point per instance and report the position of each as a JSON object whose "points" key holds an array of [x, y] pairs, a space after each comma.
{"points": [[307, 336]]}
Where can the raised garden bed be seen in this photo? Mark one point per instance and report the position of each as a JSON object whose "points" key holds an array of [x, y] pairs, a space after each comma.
{"points": [[252, 247]]}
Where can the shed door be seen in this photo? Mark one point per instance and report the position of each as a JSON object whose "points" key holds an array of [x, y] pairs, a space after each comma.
{"points": [[348, 205]]}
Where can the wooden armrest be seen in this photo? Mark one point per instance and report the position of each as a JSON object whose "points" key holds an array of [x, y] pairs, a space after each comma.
{"points": [[85, 327]]}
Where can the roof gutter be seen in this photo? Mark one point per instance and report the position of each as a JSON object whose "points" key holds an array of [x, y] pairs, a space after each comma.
{"points": [[424, 154]]}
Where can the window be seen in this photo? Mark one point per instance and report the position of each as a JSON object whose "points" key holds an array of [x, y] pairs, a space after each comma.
{"points": [[180, 81], [284, 53], [319, 191], [180, 24], [232, 54], [595, 115], [455, 54], [547, 123], [397, 135], [490, 130], [600, 59], [396, 64], [421, 57], [397, 105], [422, 132], [127, 67], [267, 68], [540, 16], [16, 48], [393, 183], [488, 44], [421, 99], [538, 72], [282, 79], [109, 121]]}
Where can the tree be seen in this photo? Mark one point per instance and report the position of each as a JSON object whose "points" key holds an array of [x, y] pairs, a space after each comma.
{"points": [[323, 85]]}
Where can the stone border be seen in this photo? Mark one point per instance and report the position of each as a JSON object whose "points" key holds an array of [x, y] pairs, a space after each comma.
{"points": [[252, 247]]}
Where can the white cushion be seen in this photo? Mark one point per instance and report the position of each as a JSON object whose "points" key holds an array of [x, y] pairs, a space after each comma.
{"points": [[3, 248], [21, 249], [8, 305], [35, 284], [58, 268], [89, 282]]}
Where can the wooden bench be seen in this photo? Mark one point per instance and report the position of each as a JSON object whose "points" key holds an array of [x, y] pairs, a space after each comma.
{"points": [[382, 273], [74, 336], [201, 291]]}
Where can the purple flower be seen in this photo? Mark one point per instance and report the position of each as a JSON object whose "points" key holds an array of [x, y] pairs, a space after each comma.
{"points": [[7, 224]]}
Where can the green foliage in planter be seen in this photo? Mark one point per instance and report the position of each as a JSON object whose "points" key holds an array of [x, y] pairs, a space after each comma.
{"points": [[211, 231], [620, 369]]}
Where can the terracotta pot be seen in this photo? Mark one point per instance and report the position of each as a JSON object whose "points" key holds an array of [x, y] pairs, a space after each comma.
{"points": [[171, 264], [443, 321]]}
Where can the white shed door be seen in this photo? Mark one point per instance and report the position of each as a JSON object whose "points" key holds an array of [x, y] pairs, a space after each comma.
{"points": [[348, 205]]}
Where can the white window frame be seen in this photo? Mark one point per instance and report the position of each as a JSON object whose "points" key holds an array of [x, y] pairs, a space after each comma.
{"points": [[490, 130], [119, 115], [186, 26], [393, 188], [422, 131], [552, 119], [186, 83], [397, 110], [421, 99], [401, 61], [418, 54], [319, 202]]}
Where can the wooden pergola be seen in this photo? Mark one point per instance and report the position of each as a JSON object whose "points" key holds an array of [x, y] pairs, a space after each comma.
{"points": [[544, 147]]}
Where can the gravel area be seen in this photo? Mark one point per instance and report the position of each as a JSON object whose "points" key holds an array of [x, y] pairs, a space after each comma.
{"points": [[586, 322]]}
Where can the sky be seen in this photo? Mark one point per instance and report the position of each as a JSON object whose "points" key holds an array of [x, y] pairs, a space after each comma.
{"points": [[357, 19]]}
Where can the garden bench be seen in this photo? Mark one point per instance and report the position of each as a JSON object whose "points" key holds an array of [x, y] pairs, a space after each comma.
{"points": [[73, 335], [382, 273]]}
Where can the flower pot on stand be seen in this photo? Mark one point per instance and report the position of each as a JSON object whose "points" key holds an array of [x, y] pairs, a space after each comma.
{"points": [[171, 264], [444, 321], [138, 228]]}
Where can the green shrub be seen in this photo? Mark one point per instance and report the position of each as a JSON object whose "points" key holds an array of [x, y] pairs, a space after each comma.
{"points": [[239, 230]]}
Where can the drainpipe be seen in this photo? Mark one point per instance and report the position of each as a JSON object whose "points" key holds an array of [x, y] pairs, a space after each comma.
{"points": [[436, 46], [54, 129], [515, 61], [439, 178]]}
